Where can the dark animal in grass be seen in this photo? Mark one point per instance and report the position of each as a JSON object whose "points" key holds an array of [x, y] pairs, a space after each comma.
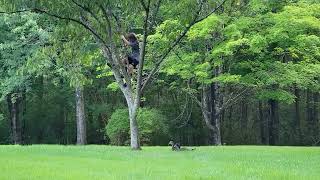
{"points": [[177, 147]]}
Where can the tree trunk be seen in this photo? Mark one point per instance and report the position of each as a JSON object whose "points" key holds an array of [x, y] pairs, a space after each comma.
{"points": [[310, 119], [229, 123], [316, 106], [309, 108], [274, 122], [244, 115], [24, 137], [211, 114], [217, 101], [13, 106], [297, 117], [133, 103], [262, 124], [211, 105], [316, 114], [81, 122], [134, 132]]}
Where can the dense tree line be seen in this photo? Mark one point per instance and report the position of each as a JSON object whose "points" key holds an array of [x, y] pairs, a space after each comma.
{"points": [[210, 72]]}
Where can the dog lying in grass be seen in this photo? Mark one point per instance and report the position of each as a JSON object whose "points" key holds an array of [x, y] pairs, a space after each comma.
{"points": [[177, 147]]}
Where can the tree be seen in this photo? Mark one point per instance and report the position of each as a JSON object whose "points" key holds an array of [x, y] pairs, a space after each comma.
{"points": [[68, 57], [21, 37], [103, 20], [271, 58]]}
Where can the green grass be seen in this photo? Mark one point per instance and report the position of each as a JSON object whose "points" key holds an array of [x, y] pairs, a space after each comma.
{"points": [[107, 162]]}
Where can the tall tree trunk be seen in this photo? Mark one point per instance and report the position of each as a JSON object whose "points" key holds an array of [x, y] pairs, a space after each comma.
{"points": [[217, 101], [134, 132], [81, 122], [9, 103], [244, 115], [309, 109], [132, 99], [211, 109], [316, 114], [297, 117], [316, 107], [13, 106], [216, 115], [262, 124], [229, 123], [23, 117], [211, 114], [274, 122]]}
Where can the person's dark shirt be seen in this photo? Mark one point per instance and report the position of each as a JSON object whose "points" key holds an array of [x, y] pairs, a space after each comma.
{"points": [[135, 53]]}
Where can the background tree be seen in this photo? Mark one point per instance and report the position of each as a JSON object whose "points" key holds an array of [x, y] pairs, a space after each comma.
{"points": [[21, 36]]}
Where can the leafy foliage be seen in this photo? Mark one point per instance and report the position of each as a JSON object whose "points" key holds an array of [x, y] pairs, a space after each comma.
{"points": [[152, 125]]}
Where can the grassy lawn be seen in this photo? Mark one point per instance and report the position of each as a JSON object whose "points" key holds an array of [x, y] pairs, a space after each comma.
{"points": [[107, 162]]}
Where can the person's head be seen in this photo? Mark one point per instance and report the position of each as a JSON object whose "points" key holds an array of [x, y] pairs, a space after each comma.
{"points": [[171, 143], [132, 37]]}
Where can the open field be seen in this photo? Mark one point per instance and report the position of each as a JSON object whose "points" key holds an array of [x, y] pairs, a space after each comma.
{"points": [[107, 162]]}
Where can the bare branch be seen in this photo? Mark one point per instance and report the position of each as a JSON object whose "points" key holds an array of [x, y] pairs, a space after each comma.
{"points": [[155, 13], [87, 9], [117, 19], [194, 98], [212, 12], [142, 53], [232, 101], [89, 27], [17, 12], [145, 7]]}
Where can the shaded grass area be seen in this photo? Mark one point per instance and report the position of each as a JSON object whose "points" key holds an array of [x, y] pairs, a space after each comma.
{"points": [[108, 162]]}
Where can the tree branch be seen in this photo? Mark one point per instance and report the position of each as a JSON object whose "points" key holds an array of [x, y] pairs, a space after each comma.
{"points": [[16, 12], [40, 11], [212, 12], [142, 53], [231, 101], [107, 14], [145, 7], [87, 10]]}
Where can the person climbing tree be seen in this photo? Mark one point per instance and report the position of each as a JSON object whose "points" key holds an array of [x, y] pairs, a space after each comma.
{"points": [[133, 59]]}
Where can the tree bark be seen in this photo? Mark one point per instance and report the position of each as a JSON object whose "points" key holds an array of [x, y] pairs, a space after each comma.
{"points": [[80, 117], [24, 137], [134, 131], [316, 107], [13, 107], [297, 117], [262, 124], [243, 117], [310, 118], [316, 114], [211, 114], [309, 103], [216, 116], [274, 122]]}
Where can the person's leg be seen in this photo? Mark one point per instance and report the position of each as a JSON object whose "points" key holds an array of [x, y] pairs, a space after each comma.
{"points": [[130, 65], [130, 69], [124, 61]]}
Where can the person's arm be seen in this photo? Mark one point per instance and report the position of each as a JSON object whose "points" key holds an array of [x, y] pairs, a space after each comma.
{"points": [[125, 40]]}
